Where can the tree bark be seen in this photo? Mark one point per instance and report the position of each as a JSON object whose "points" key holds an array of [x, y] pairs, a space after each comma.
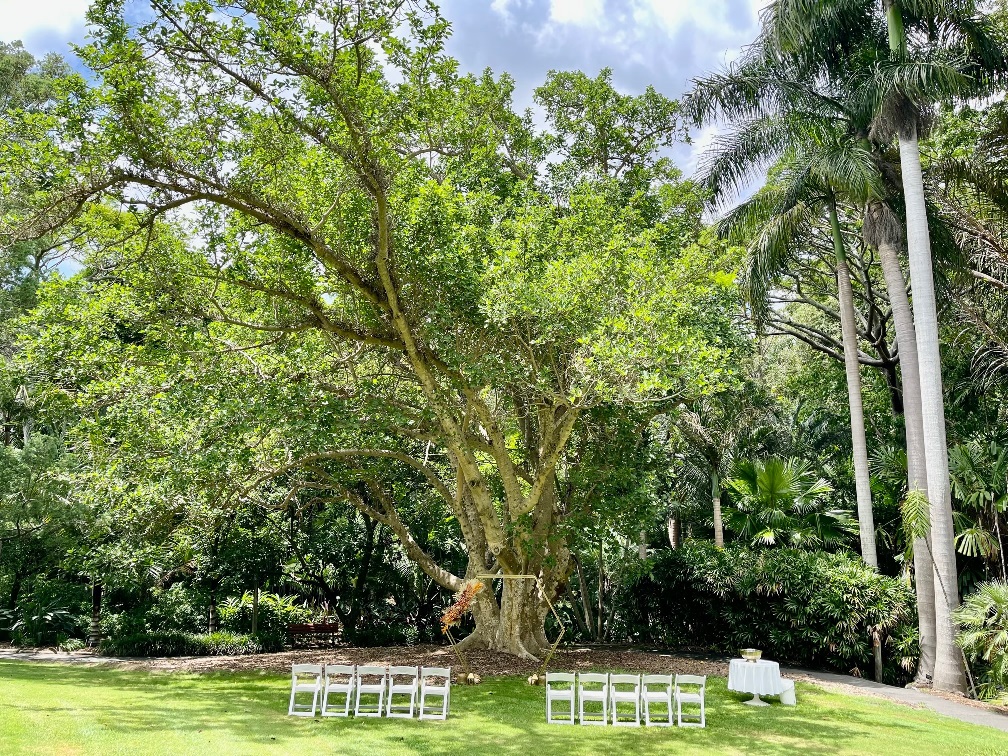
{"points": [[95, 633], [255, 608], [515, 626], [906, 338], [866, 520], [949, 671], [212, 613], [716, 501], [674, 528]]}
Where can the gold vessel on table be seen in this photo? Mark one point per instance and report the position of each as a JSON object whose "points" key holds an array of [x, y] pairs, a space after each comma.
{"points": [[751, 654]]}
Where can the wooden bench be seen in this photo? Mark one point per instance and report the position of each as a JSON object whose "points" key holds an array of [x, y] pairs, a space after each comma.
{"points": [[320, 631]]}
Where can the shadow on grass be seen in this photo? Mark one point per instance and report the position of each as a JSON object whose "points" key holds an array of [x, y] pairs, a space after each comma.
{"points": [[501, 716]]}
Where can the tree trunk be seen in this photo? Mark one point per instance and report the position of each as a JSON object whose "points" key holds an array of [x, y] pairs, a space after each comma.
{"points": [[95, 633], [906, 338], [516, 625], [15, 592], [212, 614], [866, 520], [949, 671], [674, 528], [949, 668], [255, 608], [716, 501]]}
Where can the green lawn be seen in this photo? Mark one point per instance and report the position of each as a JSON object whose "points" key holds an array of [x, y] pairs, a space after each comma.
{"points": [[61, 709]]}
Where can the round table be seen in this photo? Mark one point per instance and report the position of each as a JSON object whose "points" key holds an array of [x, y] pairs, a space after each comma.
{"points": [[761, 678]]}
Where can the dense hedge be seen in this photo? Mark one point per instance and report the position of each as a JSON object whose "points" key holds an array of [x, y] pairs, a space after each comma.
{"points": [[181, 644], [804, 608]]}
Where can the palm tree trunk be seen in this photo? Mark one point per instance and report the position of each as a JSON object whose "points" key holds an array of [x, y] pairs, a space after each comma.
{"points": [[906, 339], [95, 631], [949, 668], [716, 500], [859, 443]]}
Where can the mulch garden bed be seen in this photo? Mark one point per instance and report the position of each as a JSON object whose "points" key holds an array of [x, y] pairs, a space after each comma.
{"points": [[578, 658]]}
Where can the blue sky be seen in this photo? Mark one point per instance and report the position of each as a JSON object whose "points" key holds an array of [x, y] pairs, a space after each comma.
{"points": [[660, 42]]}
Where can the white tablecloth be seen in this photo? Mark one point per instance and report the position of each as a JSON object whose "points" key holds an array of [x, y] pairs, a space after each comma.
{"points": [[761, 678]]}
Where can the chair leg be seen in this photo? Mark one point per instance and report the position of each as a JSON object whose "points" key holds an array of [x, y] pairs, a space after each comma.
{"points": [[290, 709]]}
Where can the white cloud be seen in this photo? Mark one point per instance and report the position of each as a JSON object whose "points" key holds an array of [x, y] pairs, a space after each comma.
{"points": [[21, 19], [577, 12], [706, 16]]}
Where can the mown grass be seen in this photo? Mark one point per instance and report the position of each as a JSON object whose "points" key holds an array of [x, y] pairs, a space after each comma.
{"points": [[60, 709]]}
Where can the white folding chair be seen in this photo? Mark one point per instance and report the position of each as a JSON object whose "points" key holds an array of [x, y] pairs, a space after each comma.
{"points": [[402, 682], [681, 696], [597, 692], [657, 690], [370, 681], [624, 689], [563, 694], [435, 682], [339, 679], [299, 674]]}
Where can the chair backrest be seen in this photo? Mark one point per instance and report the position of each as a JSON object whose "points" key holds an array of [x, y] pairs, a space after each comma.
{"points": [[624, 679], [410, 672], [371, 671], [337, 670], [700, 680], [306, 669], [593, 678], [559, 677], [442, 672], [656, 681]]}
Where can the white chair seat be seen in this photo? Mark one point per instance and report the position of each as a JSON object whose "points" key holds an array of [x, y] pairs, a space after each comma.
{"points": [[657, 689], [402, 682], [435, 682], [560, 695], [699, 682], [593, 694], [305, 678], [370, 681], [625, 689], [339, 680]]}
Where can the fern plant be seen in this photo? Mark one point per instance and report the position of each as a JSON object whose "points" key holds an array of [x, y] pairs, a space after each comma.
{"points": [[983, 617]]}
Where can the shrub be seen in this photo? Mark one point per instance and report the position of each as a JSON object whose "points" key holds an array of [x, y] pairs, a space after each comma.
{"points": [[178, 608], [983, 617], [275, 613], [805, 608], [181, 644], [34, 624]]}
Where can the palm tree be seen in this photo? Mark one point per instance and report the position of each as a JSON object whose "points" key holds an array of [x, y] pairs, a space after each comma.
{"points": [[781, 117], [782, 502], [719, 429], [956, 55], [883, 230]]}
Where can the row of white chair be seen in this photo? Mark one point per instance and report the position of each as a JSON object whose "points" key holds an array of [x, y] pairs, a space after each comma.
{"points": [[383, 684], [609, 690]]}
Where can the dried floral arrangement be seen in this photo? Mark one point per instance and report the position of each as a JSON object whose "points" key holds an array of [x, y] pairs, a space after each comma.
{"points": [[463, 600], [452, 616]]}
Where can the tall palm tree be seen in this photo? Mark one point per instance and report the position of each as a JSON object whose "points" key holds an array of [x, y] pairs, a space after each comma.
{"points": [[780, 117], [884, 231], [956, 54]]}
